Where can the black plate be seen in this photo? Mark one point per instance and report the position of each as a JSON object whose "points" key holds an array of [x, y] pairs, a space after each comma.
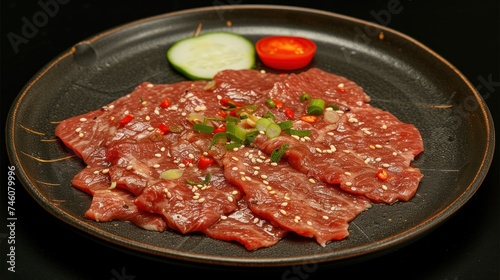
{"points": [[400, 74]]}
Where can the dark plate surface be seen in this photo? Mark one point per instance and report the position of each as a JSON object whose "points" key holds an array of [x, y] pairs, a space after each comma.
{"points": [[400, 74]]}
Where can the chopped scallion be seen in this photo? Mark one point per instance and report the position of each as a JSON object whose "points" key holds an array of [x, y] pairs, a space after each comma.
{"points": [[305, 97], [273, 130], [316, 107], [203, 128], [277, 154]]}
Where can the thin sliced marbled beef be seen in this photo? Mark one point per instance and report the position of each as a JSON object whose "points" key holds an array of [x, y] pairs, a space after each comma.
{"points": [[323, 182], [110, 204], [116, 204], [190, 208], [89, 134], [245, 227], [290, 199]]}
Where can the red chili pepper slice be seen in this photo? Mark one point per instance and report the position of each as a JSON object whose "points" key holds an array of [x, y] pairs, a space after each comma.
{"points": [[187, 161], [205, 162], [278, 103], [163, 128], [226, 102], [165, 103], [125, 120], [221, 128], [309, 119], [382, 175], [289, 113]]}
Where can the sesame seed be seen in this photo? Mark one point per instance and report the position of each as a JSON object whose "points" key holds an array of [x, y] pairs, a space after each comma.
{"points": [[312, 180], [81, 135], [256, 220], [150, 128], [372, 147], [234, 168], [158, 155], [348, 184], [346, 151], [319, 150], [248, 178], [367, 160], [386, 165], [201, 200], [394, 154], [384, 126], [263, 176], [367, 132], [219, 97], [256, 173], [265, 182], [282, 211], [129, 167], [378, 146], [325, 217], [347, 173], [378, 159], [182, 165], [156, 165], [242, 173], [83, 119], [235, 158], [149, 85], [256, 167], [296, 137], [78, 129], [274, 163], [234, 192], [284, 204], [230, 198], [353, 120], [162, 149], [272, 192], [332, 148], [191, 156], [384, 187], [104, 171], [309, 223], [269, 188], [223, 217], [330, 133], [148, 118]]}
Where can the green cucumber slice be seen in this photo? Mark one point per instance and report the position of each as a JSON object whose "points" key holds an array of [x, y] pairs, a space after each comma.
{"points": [[201, 57]]}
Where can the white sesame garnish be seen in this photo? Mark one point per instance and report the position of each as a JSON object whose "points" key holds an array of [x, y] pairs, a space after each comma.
{"points": [[156, 165], [234, 168], [263, 176], [129, 167], [230, 198], [148, 118], [223, 217], [235, 158], [282, 211], [83, 119], [104, 171], [384, 126], [157, 155], [325, 217], [312, 180], [384, 187], [348, 184], [78, 129]]}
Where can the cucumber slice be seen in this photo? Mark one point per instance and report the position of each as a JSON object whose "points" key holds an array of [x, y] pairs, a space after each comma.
{"points": [[201, 57]]}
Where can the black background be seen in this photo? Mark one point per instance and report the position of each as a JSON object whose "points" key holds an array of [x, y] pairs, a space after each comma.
{"points": [[466, 33]]}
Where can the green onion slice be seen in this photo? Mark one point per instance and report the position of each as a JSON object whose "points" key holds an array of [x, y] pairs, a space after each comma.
{"points": [[171, 174], [298, 132], [236, 132], [262, 123], [269, 115], [203, 128], [305, 97], [270, 103], [316, 107], [277, 154], [273, 130], [286, 124], [207, 179]]}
